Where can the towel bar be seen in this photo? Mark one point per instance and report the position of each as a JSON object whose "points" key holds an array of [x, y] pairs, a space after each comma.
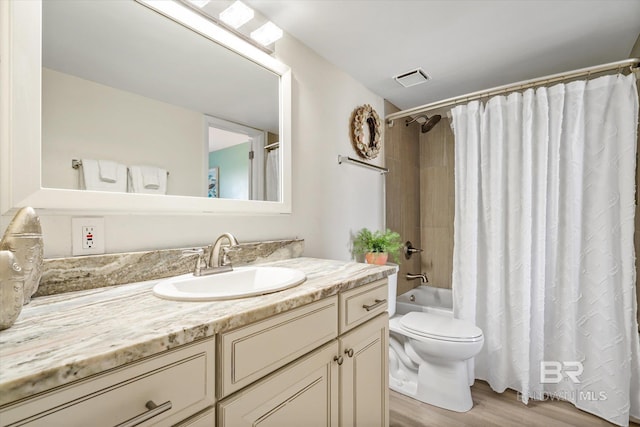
{"points": [[351, 160], [75, 163]]}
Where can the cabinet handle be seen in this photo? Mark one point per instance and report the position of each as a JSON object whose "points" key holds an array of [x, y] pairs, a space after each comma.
{"points": [[153, 411], [349, 352], [375, 305], [338, 359]]}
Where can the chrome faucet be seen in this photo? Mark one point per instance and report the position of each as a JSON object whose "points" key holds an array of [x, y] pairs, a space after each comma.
{"points": [[214, 257], [421, 276], [215, 265]]}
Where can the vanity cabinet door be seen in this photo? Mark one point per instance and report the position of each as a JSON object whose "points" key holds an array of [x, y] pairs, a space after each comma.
{"points": [[303, 393], [364, 377]]}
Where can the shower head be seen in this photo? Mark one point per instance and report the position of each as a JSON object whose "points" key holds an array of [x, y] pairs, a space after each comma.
{"points": [[427, 122], [430, 123]]}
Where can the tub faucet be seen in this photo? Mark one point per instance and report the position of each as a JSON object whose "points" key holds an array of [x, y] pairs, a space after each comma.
{"points": [[421, 276]]}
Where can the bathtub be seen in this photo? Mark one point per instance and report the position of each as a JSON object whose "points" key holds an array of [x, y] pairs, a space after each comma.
{"points": [[427, 299]]}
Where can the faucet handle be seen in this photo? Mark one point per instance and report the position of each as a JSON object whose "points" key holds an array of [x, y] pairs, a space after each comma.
{"points": [[200, 262], [410, 250], [191, 251], [225, 255]]}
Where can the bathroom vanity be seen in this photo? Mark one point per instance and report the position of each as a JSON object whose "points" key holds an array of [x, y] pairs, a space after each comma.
{"points": [[315, 354]]}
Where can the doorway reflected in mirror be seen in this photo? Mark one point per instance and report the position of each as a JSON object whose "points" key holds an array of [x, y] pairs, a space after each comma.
{"points": [[245, 163], [212, 188]]}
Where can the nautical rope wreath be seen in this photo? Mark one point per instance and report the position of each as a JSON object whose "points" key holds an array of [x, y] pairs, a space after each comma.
{"points": [[365, 132]]}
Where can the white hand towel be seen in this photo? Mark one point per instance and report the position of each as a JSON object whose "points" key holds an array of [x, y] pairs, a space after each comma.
{"points": [[108, 170], [92, 180], [138, 184], [151, 177]]}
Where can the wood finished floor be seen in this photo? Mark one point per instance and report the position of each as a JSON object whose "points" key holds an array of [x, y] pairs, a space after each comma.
{"points": [[490, 409]]}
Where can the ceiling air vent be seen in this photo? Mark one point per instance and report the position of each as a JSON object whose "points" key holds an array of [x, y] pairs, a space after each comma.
{"points": [[412, 78]]}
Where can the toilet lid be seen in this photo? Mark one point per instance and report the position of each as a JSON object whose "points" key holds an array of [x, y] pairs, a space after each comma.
{"points": [[440, 327]]}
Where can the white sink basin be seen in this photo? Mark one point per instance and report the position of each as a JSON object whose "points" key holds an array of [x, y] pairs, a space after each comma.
{"points": [[241, 282]]}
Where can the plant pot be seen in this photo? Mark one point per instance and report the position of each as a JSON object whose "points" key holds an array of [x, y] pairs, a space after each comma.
{"points": [[378, 258]]}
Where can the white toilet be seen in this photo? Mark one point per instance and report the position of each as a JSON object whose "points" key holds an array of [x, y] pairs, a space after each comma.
{"points": [[429, 356]]}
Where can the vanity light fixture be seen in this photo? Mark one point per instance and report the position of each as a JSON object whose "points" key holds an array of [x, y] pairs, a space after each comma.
{"points": [[267, 34], [200, 3], [237, 14]]}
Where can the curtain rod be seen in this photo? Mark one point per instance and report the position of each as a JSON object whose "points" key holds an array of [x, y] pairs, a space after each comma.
{"points": [[272, 146], [631, 62]]}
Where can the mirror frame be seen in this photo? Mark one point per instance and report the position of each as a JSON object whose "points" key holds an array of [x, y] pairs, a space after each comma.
{"points": [[20, 123]]}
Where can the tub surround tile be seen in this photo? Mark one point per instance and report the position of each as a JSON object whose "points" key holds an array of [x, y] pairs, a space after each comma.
{"points": [[402, 156], [66, 337], [437, 258], [97, 271], [437, 201]]}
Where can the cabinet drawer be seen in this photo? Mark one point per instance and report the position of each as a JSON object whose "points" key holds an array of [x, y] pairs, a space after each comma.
{"points": [[183, 377], [251, 352], [363, 303]]}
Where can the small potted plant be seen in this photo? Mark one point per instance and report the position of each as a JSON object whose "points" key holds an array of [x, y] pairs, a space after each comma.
{"points": [[377, 246]]}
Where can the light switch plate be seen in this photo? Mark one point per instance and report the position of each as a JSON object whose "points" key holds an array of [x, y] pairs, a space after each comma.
{"points": [[87, 235]]}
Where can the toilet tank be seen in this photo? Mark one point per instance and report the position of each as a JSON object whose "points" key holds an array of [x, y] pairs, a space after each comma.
{"points": [[393, 288]]}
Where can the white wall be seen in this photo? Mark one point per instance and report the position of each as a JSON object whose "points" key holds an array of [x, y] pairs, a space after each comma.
{"points": [[330, 201], [84, 119]]}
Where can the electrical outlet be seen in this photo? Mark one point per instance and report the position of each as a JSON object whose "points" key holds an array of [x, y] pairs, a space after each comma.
{"points": [[87, 236]]}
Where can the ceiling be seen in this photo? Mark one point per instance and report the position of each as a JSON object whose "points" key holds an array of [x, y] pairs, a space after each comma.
{"points": [[463, 45]]}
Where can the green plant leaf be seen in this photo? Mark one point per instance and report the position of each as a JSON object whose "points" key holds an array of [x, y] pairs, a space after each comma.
{"points": [[378, 241]]}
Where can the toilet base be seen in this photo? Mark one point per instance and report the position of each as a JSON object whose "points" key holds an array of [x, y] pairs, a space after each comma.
{"points": [[444, 387], [445, 384], [438, 382], [403, 373]]}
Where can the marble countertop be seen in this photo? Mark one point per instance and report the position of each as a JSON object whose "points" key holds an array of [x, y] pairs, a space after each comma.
{"points": [[63, 338]]}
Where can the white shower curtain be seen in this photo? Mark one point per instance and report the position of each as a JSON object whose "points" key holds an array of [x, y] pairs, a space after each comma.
{"points": [[272, 173], [543, 242]]}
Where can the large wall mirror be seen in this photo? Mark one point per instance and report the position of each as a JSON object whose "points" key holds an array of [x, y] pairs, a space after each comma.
{"points": [[143, 106]]}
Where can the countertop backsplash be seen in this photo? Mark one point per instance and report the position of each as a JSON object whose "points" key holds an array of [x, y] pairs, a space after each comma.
{"points": [[96, 271]]}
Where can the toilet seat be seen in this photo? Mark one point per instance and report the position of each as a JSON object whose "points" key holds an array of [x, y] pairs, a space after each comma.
{"points": [[438, 327]]}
